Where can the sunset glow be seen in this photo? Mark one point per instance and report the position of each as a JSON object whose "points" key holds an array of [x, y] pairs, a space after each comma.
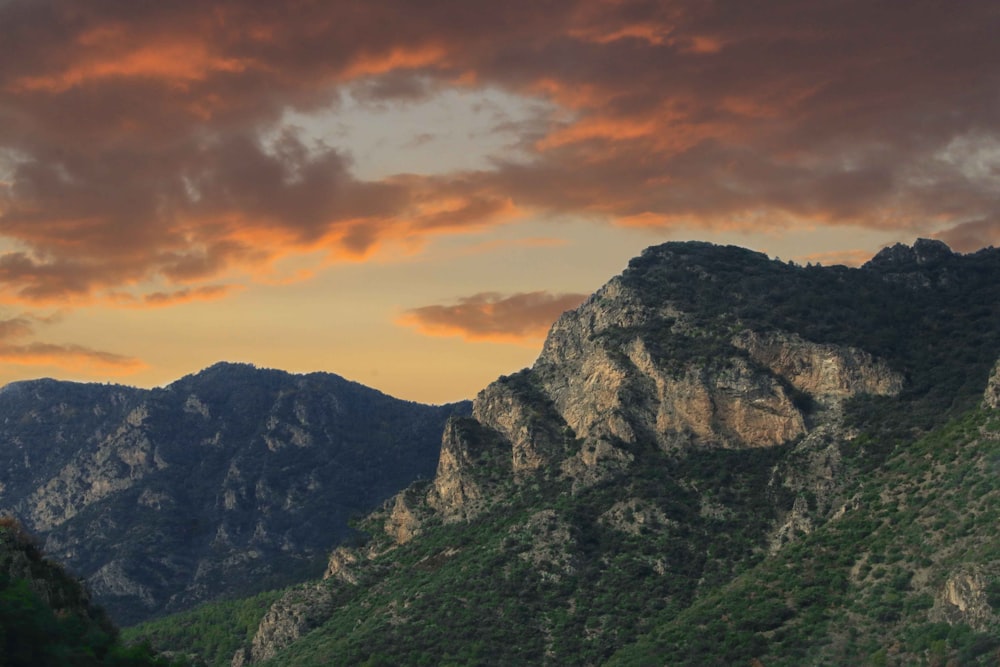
{"points": [[409, 195]]}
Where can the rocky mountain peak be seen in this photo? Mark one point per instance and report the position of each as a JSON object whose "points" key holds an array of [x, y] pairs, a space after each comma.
{"points": [[639, 363], [898, 257]]}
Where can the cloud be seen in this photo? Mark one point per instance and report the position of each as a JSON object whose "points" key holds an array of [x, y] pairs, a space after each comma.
{"points": [[204, 293], [17, 348], [142, 142], [489, 316], [171, 298], [69, 357], [16, 327], [972, 235]]}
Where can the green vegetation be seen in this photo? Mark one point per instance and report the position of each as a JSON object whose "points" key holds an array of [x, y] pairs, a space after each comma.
{"points": [[210, 633], [687, 589], [858, 590]]}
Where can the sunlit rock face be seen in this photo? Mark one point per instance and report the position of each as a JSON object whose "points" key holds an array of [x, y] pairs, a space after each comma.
{"points": [[963, 598], [623, 369]]}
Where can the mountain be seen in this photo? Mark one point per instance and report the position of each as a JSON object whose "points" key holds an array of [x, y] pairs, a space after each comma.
{"points": [[717, 459], [221, 484]]}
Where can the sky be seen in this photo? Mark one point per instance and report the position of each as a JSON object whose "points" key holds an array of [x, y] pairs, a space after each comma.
{"points": [[408, 194]]}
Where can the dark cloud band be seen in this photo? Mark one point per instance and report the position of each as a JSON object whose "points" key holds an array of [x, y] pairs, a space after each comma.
{"points": [[142, 141]]}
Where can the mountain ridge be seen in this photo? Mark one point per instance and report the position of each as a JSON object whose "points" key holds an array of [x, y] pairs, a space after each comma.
{"points": [[212, 485], [692, 421]]}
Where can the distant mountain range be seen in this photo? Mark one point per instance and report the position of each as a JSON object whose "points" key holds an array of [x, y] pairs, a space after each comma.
{"points": [[223, 483]]}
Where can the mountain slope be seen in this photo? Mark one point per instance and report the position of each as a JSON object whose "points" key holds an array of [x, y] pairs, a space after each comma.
{"points": [[698, 420], [906, 573], [222, 483]]}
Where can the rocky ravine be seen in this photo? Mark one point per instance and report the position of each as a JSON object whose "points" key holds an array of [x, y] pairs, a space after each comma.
{"points": [[222, 483]]}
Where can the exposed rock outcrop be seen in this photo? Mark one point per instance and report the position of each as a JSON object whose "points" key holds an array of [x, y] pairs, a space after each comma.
{"points": [[827, 373], [591, 385], [474, 461], [403, 521], [917, 267], [963, 599], [732, 404], [289, 618], [798, 521], [991, 397], [633, 516], [899, 256], [341, 566], [118, 463], [520, 413], [616, 371]]}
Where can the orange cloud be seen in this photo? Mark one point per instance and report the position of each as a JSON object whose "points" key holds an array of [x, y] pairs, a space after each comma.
{"points": [[651, 33], [395, 58], [598, 128], [69, 357], [522, 318], [14, 349], [16, 327], [177, 62]]}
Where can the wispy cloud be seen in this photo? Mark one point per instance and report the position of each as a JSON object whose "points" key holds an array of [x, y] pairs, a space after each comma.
{"points": [[16, 347], [522, 318], [173, 297]]}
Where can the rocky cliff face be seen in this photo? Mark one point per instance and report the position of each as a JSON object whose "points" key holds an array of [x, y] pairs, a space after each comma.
{"points": [[291, 617], [604, 383], [624, 369], [220, 483]]}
